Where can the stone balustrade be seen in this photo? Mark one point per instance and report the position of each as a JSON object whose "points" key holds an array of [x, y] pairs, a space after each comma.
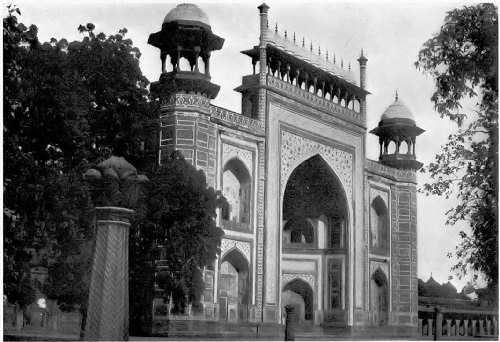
{"points": [[314, 100], [456, 324]]}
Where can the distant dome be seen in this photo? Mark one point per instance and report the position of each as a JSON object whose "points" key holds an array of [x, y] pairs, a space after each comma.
{"points": [[397, 110], [187, 13]]}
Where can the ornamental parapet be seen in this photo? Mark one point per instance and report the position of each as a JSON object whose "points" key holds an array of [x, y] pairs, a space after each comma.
{"points": [[292, 48], [233, 119], [398, 175], [313, 100]]}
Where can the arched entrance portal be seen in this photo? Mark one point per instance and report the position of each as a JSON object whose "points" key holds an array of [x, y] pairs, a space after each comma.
{"points": [[234, 287], [299, 294], [379, 298], [314, 227]]}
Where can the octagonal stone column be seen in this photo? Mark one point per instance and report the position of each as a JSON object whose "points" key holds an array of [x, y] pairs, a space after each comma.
{"points": [[115, 188], [108, 314]]}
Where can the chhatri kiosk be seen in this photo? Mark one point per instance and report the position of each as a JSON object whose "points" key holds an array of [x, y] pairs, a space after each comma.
{"points": [[312, 222]]}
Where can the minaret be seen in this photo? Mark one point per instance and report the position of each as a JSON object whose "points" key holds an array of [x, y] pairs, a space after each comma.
{"points": [[260, 110], [397, 125], [362, 70], [362, 81], [185, 92]]}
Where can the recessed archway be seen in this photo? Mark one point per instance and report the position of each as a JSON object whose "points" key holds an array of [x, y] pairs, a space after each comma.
{"points": [[379, 298], [234, 286], [379, 227], [315, 208], [299, 294], [236, 187]]}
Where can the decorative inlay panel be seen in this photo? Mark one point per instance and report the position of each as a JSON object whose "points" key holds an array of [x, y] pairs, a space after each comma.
{"points": [[231, 151], [185, 100], [236, 119], [260, 227], [308, 278], [295, 149], [243, 247]]}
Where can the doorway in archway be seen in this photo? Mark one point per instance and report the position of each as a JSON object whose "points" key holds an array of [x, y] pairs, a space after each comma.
{"points": [[234, 289], [299, 294]]}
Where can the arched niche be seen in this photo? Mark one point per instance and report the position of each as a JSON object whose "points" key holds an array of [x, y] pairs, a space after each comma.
{"points": [[201, 65], [404, 148], [391, 147], [234, 283], [184, 64], [299, 294], [379, 227], [236, 188], [357, 106], [379, 298], [299, 232]]}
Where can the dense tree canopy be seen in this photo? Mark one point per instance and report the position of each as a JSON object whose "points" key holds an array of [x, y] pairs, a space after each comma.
{"points": [[65, 104], [463, 60], [178, 217]]}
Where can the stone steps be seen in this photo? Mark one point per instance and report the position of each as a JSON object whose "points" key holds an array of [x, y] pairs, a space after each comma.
{"points": [[268, 331], [217, 329]]}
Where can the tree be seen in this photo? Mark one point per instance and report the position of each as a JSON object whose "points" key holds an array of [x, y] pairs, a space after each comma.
{"points": [[463, 60], [178, 218], [66, 107]]}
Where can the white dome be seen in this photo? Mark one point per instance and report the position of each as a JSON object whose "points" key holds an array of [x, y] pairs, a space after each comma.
{"points": [[397, 110], [187, 12]]}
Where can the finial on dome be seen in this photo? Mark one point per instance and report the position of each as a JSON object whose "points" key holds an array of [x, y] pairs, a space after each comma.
{"points": [[263, 8], [349, 66], [319, 50], [276, 28], [294, 37], [286, 35], [362, 59], [303, 42], [327, 55], [397, 97], [311, 46]]}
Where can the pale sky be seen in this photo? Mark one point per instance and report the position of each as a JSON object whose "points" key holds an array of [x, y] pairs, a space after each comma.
{"points": [[391, 34]]}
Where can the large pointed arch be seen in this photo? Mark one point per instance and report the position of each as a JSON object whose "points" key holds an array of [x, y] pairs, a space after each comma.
{"points": [[314, 192]]}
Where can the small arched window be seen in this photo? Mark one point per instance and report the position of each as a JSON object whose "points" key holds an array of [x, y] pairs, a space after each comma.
{"points": [[379, 227], [299, 231], [236, 187]]}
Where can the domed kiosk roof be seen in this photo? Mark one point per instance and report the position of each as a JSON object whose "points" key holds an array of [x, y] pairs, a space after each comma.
{"points": [[188, 14], [397, 120], [397, 110]]}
